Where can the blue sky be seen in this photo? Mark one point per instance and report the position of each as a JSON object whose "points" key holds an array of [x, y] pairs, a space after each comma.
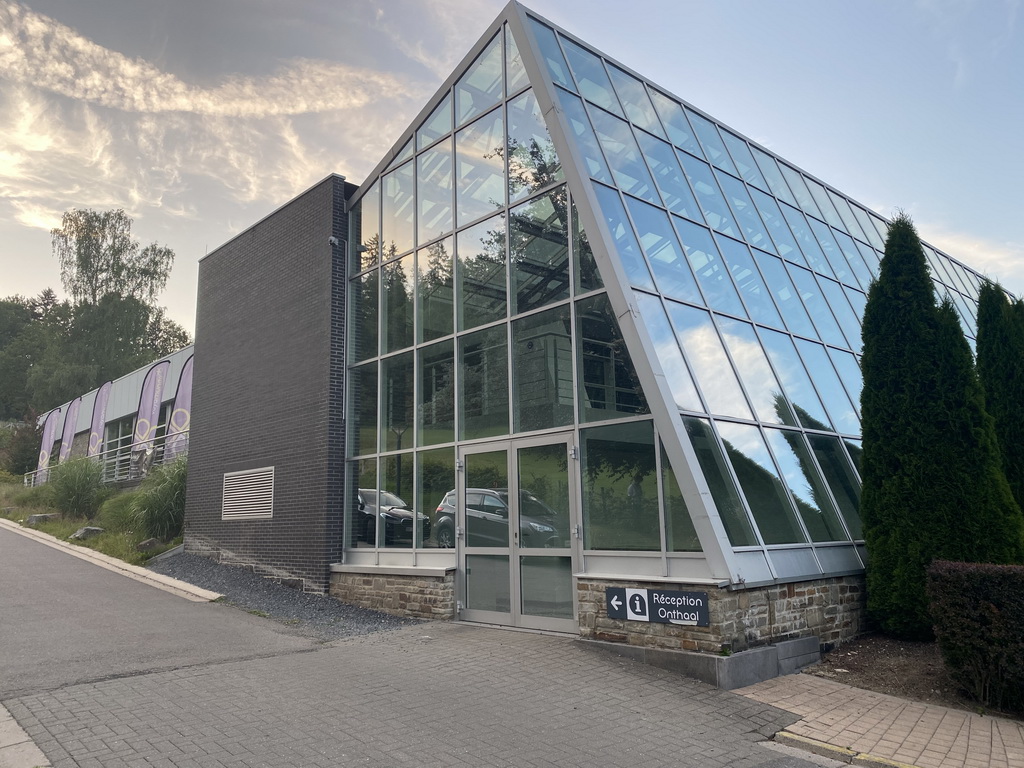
{"points": [[199, 117]]}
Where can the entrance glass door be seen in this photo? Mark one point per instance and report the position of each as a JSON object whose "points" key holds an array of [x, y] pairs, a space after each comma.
{"points": [[516, 548]]}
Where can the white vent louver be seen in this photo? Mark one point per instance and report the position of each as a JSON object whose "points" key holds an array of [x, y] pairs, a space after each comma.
{"points": [[248, 495]]}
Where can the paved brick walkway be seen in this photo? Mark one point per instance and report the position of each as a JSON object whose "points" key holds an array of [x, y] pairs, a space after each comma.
{"points": [[895, 729]]}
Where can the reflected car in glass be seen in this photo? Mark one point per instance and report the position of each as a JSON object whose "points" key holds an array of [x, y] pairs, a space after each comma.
{"points": [[385, 512], [487, 520]]}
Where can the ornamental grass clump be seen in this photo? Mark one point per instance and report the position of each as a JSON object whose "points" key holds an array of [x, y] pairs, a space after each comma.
{"points": [[160, 504], [76, 488]]}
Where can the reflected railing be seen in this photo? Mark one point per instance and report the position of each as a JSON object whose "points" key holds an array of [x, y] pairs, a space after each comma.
{"points": [[127, 460]]}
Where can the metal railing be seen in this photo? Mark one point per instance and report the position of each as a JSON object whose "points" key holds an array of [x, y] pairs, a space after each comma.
{"points": [[127, 461]]}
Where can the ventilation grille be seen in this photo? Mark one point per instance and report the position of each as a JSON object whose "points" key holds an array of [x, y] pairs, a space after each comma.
{"points": [[248, 495]]}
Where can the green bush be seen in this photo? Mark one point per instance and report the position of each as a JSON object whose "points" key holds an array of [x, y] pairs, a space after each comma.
{"points": [[118, 514], [978, 611], [6, 478], [77, 488], [160, 503]]}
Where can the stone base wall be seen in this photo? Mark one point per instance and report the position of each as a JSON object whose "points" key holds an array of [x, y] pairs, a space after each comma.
{"points": [[830, 609], [427, 597]]}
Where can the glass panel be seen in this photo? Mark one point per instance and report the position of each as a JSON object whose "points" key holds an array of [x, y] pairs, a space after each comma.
{"points": [[546, 586], [480, 168], [755, 293], [403, 154], [840, 477], [736, 193], [846, 214], [396, 520], [871, 260], [828, 328], [434, 289], [815, 257], [881, 227], [744, 160], [679, 131], [586, 141], [711, 271], [854, 448], [711, 202], [849, 372], [487, 583], [835, 257], [483, 385], [865, 224], [539, 251], [437, 125], [367, 252], [632, 261], [396, 406], [620, 488], [398, 211], [551, 54], [434, 191], [812, 500], [795, 382], [703, 349], [668, 175], [664, 253], [772, 217], [363, 405], [714, 149], [773, 176], [542, 374], [608, 384], [397, 297], [824, 203], [532, 162], [720, 483], [543, 496], [667, 349], [588, 278], [763, 488], [481, 273], [785, 295], [829, 387], [634, 99], [756, 373], [515, 72], [435, 479], [679, 531], [836, 298], [858, 300], [363, 311], [861, 275], [487, 513], [620, 148], [591, 78], [796, 184], [436, 411], [480, 88], [362, 529]]}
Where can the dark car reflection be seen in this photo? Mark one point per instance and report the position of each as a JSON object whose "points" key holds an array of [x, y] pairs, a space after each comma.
{"points": [[487, 523], [385, 512]]}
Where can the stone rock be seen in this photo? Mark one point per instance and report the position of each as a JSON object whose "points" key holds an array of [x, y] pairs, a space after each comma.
{"points": [[37, 519], [86, 533], [148, 545]]}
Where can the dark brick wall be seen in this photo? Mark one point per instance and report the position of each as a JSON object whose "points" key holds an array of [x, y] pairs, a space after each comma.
{"points": [[267, 388]]}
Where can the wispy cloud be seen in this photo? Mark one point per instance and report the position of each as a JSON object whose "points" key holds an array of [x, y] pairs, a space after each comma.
{"points": [[948, 20], [1001, 261]]}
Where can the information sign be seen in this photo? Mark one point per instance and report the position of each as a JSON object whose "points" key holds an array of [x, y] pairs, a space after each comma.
{"points": [[659, 605]]}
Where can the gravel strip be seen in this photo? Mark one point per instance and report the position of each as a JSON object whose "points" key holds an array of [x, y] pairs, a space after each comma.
{"points": [[319, 616]]}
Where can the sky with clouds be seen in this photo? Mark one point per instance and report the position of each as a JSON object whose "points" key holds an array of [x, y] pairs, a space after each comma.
{"points": [[199, 117]]}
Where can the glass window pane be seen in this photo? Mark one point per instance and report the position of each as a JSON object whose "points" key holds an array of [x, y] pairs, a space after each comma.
{"points": [[539, 247], [630, 257], [436, 411], [745, 274], [515, 72], [865, 224], [620, 487], [679, 531], [664, 253], [817, 307], [480, 88], [814, 256], [848, 322], [857, 300], [435, 478], [667, 349], [785, 243], [773, 176], [608, 384], [850, 223], [668, 175], [398, 294], [437, 125], [542, 374], [403, 154], [679, 131], [796, 183], [363, 313], [363, 406], [591, 78], [397, 402], [480, 168], [398, 211], [586, 141], [744, 160], [711, 202], [796, 384], [785, 295], [805, 484], [836, 259], [357, 532], [434, 191], [367, 252], [824, 203], [628, 168], [861, 276], [763, 488], [881, 227], [703, 350], [756, 373], [635, 101], [711, 271], [714, 148], [434, 290], [838, 403], [840, 477], [482, 294], [871, 260], [487, 520], [723, 489], [849, 372], [753, 228], [532, 162], [854, 448], [393, 515], [588, 278], [551, 54], [483, 385]]}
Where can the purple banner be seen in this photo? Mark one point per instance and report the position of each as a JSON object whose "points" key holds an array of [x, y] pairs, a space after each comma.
{"points": [[70, 426], [49, 431], [149, 406], [181, 416], [99, 419]]}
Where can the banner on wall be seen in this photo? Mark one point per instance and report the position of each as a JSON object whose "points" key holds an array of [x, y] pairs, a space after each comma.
{"points": [[70, 425], [148, 419], [181, 415], [49, 431], [99, 419]]}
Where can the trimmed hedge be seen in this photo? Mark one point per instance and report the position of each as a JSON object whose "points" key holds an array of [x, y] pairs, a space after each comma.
{"points": [[978, 611]]}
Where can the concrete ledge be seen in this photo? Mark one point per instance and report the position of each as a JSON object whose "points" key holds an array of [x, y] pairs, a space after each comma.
{"points": [[842, 754], [393, 570], [796, 654]]}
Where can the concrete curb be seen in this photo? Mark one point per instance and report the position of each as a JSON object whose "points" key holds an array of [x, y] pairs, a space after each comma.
{"points": [[842, 754], [146, 576], [17, 750]]}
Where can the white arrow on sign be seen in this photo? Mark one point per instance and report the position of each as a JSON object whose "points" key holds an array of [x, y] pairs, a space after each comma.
{"points": [[616, 603]]}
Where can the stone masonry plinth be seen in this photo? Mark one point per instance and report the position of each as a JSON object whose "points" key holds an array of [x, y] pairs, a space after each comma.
{"points": [[427, 593]]}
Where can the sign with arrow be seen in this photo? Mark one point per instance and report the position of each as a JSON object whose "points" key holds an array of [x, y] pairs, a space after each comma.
{"points": [[658, 605]]}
